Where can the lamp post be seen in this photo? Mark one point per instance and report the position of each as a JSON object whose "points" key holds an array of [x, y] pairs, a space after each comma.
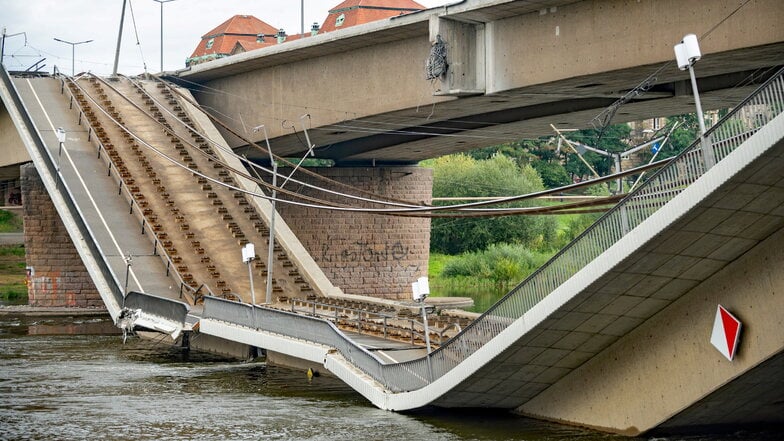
{"points": [[248, 254], [162, 2], [73, 51], [421, 289], [128, 264], [274, 164], [687, 52], [60, 132]]}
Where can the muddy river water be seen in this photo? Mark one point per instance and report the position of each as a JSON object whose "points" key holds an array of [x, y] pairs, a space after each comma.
{"points": [[70, 378]]}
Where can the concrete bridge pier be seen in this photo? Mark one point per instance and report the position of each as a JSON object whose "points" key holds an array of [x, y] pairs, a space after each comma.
{"points": [[56, 275], [364, 254]]}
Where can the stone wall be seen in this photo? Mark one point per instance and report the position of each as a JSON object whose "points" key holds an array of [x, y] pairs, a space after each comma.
{"points": [[56, 274], [365, 254]]}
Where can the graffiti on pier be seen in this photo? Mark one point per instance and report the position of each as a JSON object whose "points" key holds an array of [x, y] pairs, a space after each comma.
{"points": [[364, 251]]}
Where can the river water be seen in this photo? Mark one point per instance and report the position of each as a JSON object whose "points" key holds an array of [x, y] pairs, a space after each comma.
{"points": [[67, 379]]}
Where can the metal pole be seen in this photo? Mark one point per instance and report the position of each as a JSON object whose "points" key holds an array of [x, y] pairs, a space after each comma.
{"points": [[128, 261], [162, 2], [250, 276], [697, 102], [272, 228], [2, 47], [427, 339], [252, 294], [706, 149], [73, 59], [302, 17], [162, 47], [119, 40]]}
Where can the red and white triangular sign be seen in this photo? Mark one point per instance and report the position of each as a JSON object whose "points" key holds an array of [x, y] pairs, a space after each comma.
{"points": [[726, 333]]}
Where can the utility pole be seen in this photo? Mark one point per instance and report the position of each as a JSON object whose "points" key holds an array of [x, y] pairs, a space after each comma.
{"points": [[119, 40], [162, 2]]}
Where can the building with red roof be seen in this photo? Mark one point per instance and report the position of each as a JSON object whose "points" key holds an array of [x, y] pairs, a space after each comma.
{"points": [[356, 12], [245, 31]]}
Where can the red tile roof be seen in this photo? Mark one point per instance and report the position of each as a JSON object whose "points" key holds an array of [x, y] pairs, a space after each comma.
{"points": [[240, 28], [356, 12]]}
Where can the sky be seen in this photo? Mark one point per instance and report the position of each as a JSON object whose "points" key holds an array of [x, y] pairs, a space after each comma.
{"points": [[185, 21]]}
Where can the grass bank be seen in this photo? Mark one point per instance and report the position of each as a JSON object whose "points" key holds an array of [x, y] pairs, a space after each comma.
{"points": [[12, 274], [10, 223]]}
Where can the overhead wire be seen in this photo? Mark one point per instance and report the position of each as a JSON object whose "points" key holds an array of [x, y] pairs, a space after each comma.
{"points": [[416, 212], [136, 32], [474, 204]]}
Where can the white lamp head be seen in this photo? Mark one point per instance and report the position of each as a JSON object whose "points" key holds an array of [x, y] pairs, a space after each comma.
{"points": [[60, 132], [248, 252], [424, 286], [415, 291], [687, 52]]}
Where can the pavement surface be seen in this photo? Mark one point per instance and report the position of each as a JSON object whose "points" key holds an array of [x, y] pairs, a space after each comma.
{"points": [[11, 238]]}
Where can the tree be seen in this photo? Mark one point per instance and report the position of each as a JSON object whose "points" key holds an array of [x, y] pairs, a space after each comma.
{"points": [[462, 176]]}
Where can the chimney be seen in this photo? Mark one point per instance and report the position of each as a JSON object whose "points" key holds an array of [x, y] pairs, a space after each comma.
{"points": [[314, 29], [281, 36]]}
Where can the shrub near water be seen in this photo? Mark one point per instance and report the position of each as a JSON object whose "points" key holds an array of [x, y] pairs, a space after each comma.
{"points": [[504, 264]]}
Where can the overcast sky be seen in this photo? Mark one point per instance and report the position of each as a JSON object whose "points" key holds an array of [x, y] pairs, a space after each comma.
{"points": [[185, 21]]}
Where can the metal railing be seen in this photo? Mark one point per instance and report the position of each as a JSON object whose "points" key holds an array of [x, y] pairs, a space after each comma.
{"points": [[65, 192], [729, 133], [358, 317]]}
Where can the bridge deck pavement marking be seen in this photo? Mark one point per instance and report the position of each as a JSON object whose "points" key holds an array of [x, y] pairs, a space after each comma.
{"points": [[94, 192]]}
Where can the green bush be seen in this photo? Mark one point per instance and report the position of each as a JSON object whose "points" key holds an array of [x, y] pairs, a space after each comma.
{"points": [[502, 263], [463, 176]]}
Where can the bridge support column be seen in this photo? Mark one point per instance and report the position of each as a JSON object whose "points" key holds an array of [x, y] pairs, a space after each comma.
{"points": [[365, 254], [56, 274]]}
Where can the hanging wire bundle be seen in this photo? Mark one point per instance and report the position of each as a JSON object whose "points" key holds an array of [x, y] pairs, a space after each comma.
{"points": [[436, 65]]}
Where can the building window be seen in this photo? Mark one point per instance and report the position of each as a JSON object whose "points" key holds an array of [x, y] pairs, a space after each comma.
{"points": [[210, 43], [339, 21]]}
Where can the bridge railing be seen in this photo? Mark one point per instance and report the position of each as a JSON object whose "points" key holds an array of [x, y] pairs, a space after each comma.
{"points": [[730, 132], [292, 325]]}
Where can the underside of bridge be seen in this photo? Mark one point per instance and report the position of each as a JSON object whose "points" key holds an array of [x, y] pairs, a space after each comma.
{"points": [[515, 67]]}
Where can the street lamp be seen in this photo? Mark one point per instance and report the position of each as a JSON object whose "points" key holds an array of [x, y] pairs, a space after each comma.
{"points": [[73, 51], [60, 132], [421, 289], [162, 2], [687, 52], [248, 254], [274, 194]]}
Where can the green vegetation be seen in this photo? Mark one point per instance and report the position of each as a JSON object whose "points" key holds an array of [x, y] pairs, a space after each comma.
{"points": [[483, 258], [464, 176], [9, 222], [12, 274]]}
